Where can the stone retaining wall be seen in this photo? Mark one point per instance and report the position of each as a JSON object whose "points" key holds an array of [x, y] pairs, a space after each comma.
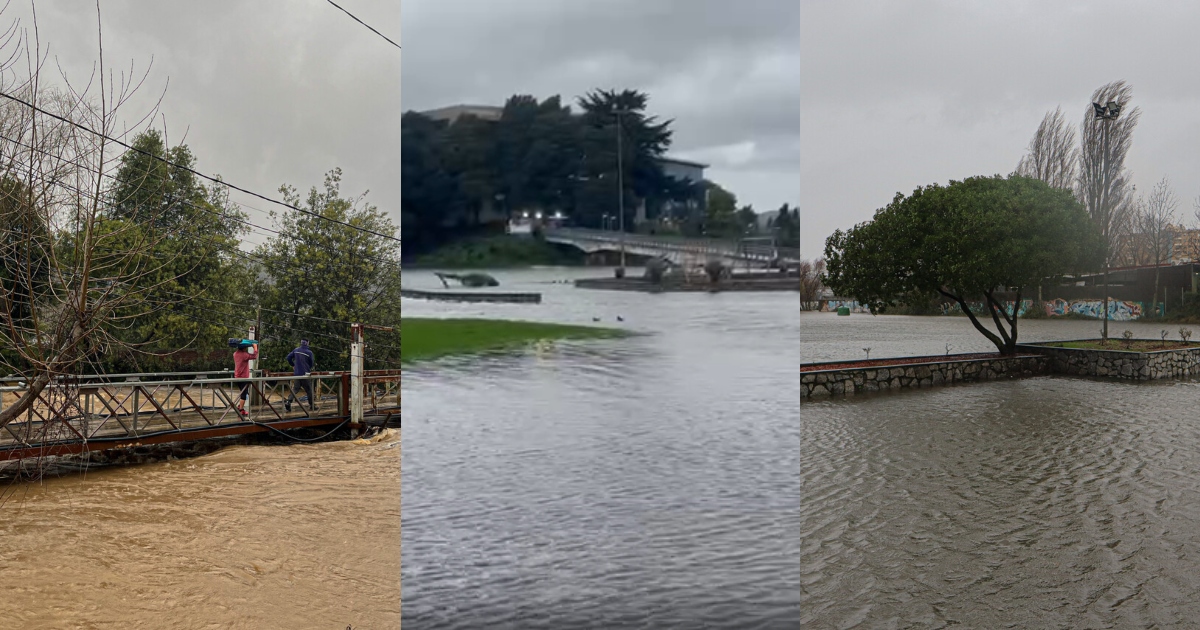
{"points": [[1138, 366], [851, 380]]}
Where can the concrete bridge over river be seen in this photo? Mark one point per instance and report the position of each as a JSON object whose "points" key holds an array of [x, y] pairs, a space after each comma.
{"points": [[678, 249]]}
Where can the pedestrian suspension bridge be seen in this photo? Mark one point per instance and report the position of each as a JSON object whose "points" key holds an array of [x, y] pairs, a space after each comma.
{"points": [[86, 413]]}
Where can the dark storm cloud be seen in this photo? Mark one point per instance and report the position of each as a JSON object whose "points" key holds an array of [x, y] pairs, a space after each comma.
{"points": [[902, 94], [268, 91], [727, 72]]}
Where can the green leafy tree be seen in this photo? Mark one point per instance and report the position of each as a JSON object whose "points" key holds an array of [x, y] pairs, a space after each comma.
{"points": [[644, 141], [965, 241], [747, 220], [537, 156], [721, 218], [431, 202], [786, 225], [319, 274], [200, 230]]}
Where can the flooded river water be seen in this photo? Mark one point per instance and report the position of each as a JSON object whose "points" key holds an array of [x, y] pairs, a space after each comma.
{"points": [[249, 537], [1046, 502], [642, 482]]}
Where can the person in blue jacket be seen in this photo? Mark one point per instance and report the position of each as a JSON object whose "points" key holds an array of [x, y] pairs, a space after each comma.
{"points": [[302, 361]]}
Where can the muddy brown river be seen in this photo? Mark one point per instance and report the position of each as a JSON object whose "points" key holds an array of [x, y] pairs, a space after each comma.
{"points": [[254, 537]]}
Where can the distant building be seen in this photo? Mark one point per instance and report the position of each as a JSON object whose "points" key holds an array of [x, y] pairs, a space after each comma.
{"points": [[684, 171], [454, 112], [1136, 249]]}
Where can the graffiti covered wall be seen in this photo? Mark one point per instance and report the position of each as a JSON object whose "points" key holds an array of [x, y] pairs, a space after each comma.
{"points": [[831, 306], [1118, 310], [980, 309]]}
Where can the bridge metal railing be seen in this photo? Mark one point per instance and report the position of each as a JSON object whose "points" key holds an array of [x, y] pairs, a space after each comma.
{"points": [[680, 244], [77, 414]]}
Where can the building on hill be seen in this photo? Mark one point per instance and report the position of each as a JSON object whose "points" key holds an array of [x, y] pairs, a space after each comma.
{"points": [[452, 113]]}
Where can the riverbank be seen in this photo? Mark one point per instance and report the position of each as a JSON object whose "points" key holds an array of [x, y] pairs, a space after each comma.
{"points": [[499, 252], [428, 338]]}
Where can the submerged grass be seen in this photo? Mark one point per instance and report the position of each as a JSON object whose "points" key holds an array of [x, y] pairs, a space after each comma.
{"points": [[425, 339]]}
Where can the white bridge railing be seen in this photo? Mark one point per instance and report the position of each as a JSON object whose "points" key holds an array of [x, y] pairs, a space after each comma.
{"points": [[734, 250]]}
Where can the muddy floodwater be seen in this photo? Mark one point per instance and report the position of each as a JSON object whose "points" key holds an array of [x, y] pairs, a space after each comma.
{"points": [[253, 537], [1046, 502]]}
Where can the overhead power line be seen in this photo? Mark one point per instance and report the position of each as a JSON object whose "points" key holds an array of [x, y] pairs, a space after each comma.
{"points": [[364, 24], [193, 171], [229, 247]]}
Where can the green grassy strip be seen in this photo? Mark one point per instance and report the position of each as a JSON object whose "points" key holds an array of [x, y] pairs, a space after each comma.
{"points": [[1119, 344], [425, 339]]}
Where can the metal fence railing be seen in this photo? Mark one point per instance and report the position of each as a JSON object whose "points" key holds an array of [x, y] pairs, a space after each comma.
{"points": [[77, 413], [679, 244]]}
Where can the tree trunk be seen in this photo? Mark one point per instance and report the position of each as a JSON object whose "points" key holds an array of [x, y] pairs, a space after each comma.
{"points": [[1104, 330], [1154, 300], [26, 400], [1001, 344]]}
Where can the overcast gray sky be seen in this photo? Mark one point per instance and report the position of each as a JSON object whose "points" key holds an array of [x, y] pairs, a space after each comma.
{"points": [[902, 94], [268, 91], [726, 71]]}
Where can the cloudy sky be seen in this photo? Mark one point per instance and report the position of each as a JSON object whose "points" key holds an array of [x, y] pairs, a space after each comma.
{"points": [[267, 91], [727, 72], [901, 94]]}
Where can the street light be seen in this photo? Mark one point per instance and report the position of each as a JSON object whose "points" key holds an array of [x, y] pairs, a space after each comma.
{"points": [[1107, 112], [621, 187]]}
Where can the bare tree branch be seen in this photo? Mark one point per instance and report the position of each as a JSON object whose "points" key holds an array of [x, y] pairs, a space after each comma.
{"points": [[1053, 154]]}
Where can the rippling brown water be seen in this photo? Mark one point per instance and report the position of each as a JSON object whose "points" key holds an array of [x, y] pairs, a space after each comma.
{"points": [[304, 536], [1049, 502]]}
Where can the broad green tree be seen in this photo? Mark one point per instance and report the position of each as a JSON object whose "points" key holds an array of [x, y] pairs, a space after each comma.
{"points": [[786, 225], [721, 216], [966, 241], [200, 228], [326, 269]]}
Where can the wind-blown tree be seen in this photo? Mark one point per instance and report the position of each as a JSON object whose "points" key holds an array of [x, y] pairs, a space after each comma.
{"points": [[539, 156], [430, 202], [1052, 155], [320, 274], [1103, 183], [1155, 232], [966, 241], [538, 153], [721, 213], [786, 226], [154, 188], [811, 273], [644, 139]]}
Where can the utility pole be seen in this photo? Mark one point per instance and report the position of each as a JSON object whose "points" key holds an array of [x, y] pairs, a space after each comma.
{"points": [[356, 374], [252, 336], [1106, 114], [257, 327], [621, 188]]}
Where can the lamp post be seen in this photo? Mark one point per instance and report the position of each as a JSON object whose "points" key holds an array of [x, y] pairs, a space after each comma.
{"points": [[1109, 113], [621, 188]]}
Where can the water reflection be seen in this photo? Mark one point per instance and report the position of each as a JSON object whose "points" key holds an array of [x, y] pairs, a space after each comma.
{"points": [[1043, 502]]}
